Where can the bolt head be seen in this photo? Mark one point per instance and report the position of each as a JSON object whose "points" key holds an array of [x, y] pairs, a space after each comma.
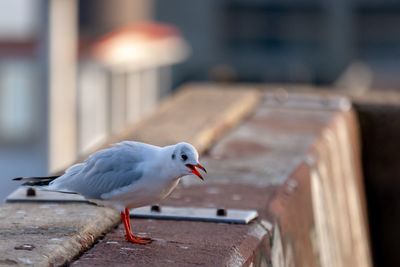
{"points": [[155, 208], [221, 212], [30, 192]]}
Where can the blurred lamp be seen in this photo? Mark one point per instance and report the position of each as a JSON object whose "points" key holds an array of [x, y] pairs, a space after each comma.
{"points": [[141, 45]]}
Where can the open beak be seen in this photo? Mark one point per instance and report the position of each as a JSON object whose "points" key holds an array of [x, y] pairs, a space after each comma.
{"points": [[195, 171]]}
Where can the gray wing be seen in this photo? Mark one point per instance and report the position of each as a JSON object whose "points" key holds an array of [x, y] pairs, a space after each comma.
{"points": [[103, 172]]}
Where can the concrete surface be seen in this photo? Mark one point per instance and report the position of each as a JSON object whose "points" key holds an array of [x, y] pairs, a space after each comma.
{"points": [[49, 234], [59, 233], [198, 114], [378, 112], [298, 166], [187, 243]]}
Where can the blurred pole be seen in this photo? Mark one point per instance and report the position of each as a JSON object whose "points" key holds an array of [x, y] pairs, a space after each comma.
{"points": [[339, 37], [118, 100], [117, 13], [134, 96], [149, 90], [62, 60], [101, 16]]}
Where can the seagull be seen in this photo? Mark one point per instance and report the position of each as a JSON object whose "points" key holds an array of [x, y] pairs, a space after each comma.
{"points": [[126, 175]]}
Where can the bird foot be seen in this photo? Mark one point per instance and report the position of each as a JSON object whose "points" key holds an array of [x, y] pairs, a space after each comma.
{"points": [[138, 240]]}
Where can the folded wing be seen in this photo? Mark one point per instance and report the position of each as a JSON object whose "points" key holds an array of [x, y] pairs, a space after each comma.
{"points": [[103, 172]]}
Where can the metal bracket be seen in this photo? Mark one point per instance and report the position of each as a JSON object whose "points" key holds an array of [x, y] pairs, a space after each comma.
{"points": [[196, 214], [29, 194], [285, 99]]}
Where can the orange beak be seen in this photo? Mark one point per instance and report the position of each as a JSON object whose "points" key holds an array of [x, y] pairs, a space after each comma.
{"points": [[195, 171]]}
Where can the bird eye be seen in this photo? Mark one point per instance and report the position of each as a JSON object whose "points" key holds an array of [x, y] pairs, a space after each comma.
{"points": [[173, 156], [184, 157]]}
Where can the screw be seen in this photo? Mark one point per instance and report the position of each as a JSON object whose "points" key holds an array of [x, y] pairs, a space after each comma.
{"points": [[155, 208], [325, 101], [221, 212], [28, 247], [281, 95], [30, 192]]}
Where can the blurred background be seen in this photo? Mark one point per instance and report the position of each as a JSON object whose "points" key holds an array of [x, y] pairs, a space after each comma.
{"points": [[68, 69], [73, 73]]}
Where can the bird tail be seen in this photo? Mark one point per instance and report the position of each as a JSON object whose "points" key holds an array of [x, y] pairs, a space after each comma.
{"points": [[36, 181]]}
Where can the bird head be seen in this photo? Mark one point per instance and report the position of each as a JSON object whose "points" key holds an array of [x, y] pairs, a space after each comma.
{"points": [[186, 160]]}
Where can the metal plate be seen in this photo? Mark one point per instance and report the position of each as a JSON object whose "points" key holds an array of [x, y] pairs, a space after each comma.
{"points": [[20, 195], [162, 213], [196, 214], [282, 98]]}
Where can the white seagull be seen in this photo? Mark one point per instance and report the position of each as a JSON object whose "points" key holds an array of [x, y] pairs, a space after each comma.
{"points": [[126, 175]]}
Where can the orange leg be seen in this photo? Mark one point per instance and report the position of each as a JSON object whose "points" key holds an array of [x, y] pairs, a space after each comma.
{"points": [[129, 236], [127, 220]]}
